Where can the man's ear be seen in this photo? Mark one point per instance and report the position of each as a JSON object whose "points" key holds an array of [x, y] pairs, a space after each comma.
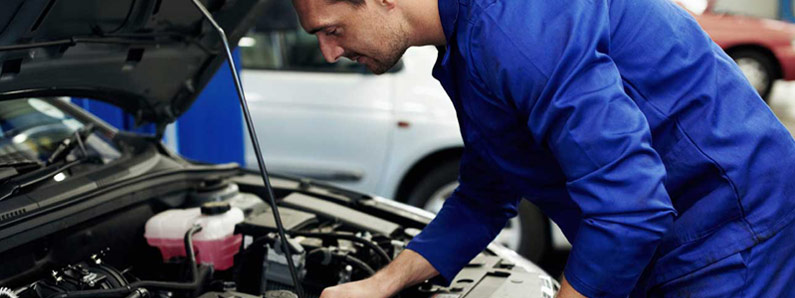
{"points": [[388, 4]]}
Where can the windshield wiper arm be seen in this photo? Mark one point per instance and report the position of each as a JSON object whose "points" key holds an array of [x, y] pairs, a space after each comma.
{"points": [[8, 171], [68, 144], [13, 163], [12, 185], [62, 150]]}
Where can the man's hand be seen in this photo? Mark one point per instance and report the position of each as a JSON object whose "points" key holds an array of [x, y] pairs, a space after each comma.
{"points": [[567, 291], [367, 288], [407, 269]]}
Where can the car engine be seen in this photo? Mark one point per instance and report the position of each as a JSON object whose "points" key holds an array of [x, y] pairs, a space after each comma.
{"points": [[218, 241]]}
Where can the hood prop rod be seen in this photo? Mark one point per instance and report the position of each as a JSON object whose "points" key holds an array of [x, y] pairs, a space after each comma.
{"points": [[258, 152]]}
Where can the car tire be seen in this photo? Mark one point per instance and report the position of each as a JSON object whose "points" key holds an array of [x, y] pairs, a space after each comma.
{"points": [[758, 68], [535, 232], [534, 226]]}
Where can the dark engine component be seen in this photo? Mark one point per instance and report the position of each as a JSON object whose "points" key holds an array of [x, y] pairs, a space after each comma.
{"points": [[330, 244], [324, 257], [7, 293], [291, 218], [229, 294], [232, 294], [84, 277], [93, 275], [274, 267], [97, 280], [359, 220]]}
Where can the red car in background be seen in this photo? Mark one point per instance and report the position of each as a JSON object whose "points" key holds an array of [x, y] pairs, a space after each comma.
{"points": [[763, 48]]}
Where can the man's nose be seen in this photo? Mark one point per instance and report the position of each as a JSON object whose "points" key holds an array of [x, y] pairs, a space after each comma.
{"points": [[330, 49]]}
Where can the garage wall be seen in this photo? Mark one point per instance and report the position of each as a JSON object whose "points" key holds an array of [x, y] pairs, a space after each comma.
{"points": [[210, 131]]}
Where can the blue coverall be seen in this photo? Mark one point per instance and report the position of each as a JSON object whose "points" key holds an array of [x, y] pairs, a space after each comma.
{"points": [[629, 128]]}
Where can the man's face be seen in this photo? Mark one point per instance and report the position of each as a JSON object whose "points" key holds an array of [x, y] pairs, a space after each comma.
{"points": [[371, 34]]}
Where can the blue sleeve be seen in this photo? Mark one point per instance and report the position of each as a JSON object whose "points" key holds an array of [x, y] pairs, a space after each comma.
{"points": [[469, 220], [553, 66]]}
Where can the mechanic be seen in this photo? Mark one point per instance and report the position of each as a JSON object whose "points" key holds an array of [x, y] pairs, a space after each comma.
{"points": [[620, 119]]}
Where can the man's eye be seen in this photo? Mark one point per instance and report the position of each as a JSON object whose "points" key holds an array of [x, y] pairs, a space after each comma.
{"points": [[333, 32]]}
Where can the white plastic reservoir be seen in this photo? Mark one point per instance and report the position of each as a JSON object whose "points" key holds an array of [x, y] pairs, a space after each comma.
{"points": [[215, 245]]}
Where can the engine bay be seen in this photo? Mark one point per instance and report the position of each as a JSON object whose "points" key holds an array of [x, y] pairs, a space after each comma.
{"points": [[145, 222], [219, 240]]}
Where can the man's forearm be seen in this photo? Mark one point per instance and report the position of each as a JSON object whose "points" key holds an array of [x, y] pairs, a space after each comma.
{"points": [[567, 291], [409, 268]]}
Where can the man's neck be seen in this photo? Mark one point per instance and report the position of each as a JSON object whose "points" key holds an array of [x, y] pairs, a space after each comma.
{"points": [[425, 24]]}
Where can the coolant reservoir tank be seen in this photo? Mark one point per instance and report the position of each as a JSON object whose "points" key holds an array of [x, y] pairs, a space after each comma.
{"points": [[215, 245]]}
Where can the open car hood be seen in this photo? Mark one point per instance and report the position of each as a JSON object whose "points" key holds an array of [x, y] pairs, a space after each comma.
{"points": [[149, 57]]}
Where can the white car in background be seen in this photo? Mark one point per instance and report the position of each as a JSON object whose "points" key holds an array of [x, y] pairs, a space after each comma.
{"points": [[393, 135]]}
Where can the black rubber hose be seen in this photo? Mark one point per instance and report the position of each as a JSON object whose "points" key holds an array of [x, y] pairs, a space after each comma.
{"points": [[114, 278], [378, 250], [325, 260], [189, 253], [328, 255], [197, 274], [139, 293], [359, 263], [259, 242]]}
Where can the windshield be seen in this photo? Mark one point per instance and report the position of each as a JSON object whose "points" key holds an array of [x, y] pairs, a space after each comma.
{"points": [[31, 128]]}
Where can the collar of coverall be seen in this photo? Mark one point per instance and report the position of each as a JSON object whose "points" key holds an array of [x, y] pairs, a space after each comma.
{"points": [[448, 12]]}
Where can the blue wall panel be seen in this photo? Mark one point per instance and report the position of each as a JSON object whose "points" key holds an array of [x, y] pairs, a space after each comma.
{"points": [[212, 129], [786, 10]]}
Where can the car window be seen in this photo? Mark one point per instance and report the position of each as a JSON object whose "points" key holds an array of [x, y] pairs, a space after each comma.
{"points": [[261, 51], [757, 8], [293, 50], [34, 127]]}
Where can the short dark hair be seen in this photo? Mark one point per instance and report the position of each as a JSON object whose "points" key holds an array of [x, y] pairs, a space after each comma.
{"points": [[356, 3]]}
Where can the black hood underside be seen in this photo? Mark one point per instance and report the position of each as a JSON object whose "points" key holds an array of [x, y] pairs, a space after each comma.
{"points": [[149, 57]]}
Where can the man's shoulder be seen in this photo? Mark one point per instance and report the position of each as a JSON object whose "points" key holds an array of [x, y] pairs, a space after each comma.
{"points": [[528, 28], [473, 10], [503, 35]]}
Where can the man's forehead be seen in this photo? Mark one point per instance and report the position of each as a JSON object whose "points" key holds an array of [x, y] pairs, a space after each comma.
{"points": [[311, 13]]}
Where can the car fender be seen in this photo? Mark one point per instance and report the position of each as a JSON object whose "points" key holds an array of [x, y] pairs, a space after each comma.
{"points": [[426, 120], [409, 150]]}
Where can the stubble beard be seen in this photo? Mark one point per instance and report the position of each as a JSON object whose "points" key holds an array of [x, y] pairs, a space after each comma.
{"points": [[396, 45]]}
